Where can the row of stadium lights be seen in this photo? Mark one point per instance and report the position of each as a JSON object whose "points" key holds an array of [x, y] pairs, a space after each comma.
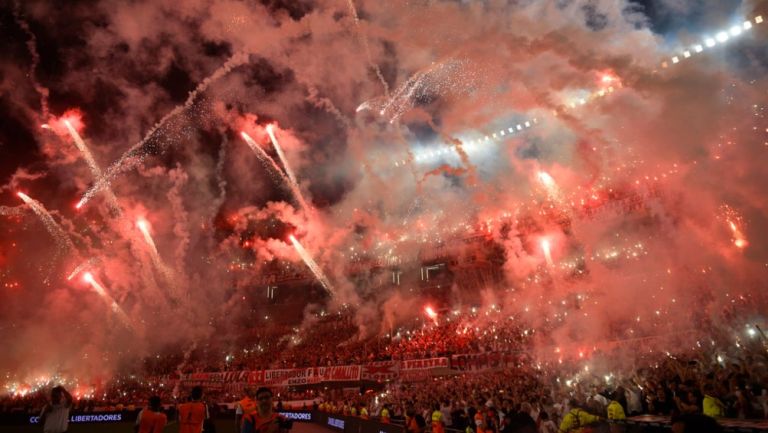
{"points": [[469, 145], [709, 42], [720, 37]]}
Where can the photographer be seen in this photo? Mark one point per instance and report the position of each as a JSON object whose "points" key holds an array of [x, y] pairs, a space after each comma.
{"points": [[264, 419]]}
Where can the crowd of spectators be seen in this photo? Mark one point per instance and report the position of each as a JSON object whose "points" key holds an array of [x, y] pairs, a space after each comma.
{"points": [[534, 395], [730, 383]]}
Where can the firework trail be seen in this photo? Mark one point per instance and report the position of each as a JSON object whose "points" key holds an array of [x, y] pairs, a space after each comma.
{"points": [[270, 163], [287, 167], [547, 250], [135, 155], [549, 184], [452, 75], [95, 170], [82, 266], [32, 48], [143, 226], [735, 223], [165, 271], [98, 288], [11, 210], [366, 48], [738, 237], [312, 265], [61, 237]]}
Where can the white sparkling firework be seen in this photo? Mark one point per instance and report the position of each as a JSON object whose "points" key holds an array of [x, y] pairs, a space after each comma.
{"points": [[449, 76], [312, 265], [547, 250], [288, 170], [61, 237], [82, 266], [136, 154], [272, 165], [549, 184], [157, 261], [95, 170], [102, 292], [143, 226]]}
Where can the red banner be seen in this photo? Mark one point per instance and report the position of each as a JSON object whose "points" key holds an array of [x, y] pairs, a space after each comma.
{"points": [[381, 371], [429, 363], [309, 376], [409, 370]]}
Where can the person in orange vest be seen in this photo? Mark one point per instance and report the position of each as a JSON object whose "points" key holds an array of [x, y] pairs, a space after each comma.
{"points": [[151, 419], [479, 421], [245, 406], [264, 419], [438, 426], [193, 413], [384, 414], [414, 423]]}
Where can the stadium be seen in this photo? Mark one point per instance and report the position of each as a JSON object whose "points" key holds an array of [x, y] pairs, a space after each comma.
{"points": [[403, 216]]}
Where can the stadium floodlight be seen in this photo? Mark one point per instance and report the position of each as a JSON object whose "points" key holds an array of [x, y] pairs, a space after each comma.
{"points": [[721, 37], [510, 130], [675, 59], [527, 124], [747, 25], [698, 48], [501, 131], [758, 19], [735, 31], [709, 42], [686, 54]]}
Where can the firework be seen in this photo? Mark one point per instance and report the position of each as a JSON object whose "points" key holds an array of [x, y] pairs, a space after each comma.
{"points": [[546, 249], [98, 288], [83, 149], [312, 265], [95, 170], [734, 224], [288, 171], [270, 163], [549, 184], [431, 313], [738, 237], [81, 267], [143, 226], [61, 237], [157, 261], [136, 154]]}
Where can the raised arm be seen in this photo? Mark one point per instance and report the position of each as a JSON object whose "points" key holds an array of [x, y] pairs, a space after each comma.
{"points": [[67, 396]]}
